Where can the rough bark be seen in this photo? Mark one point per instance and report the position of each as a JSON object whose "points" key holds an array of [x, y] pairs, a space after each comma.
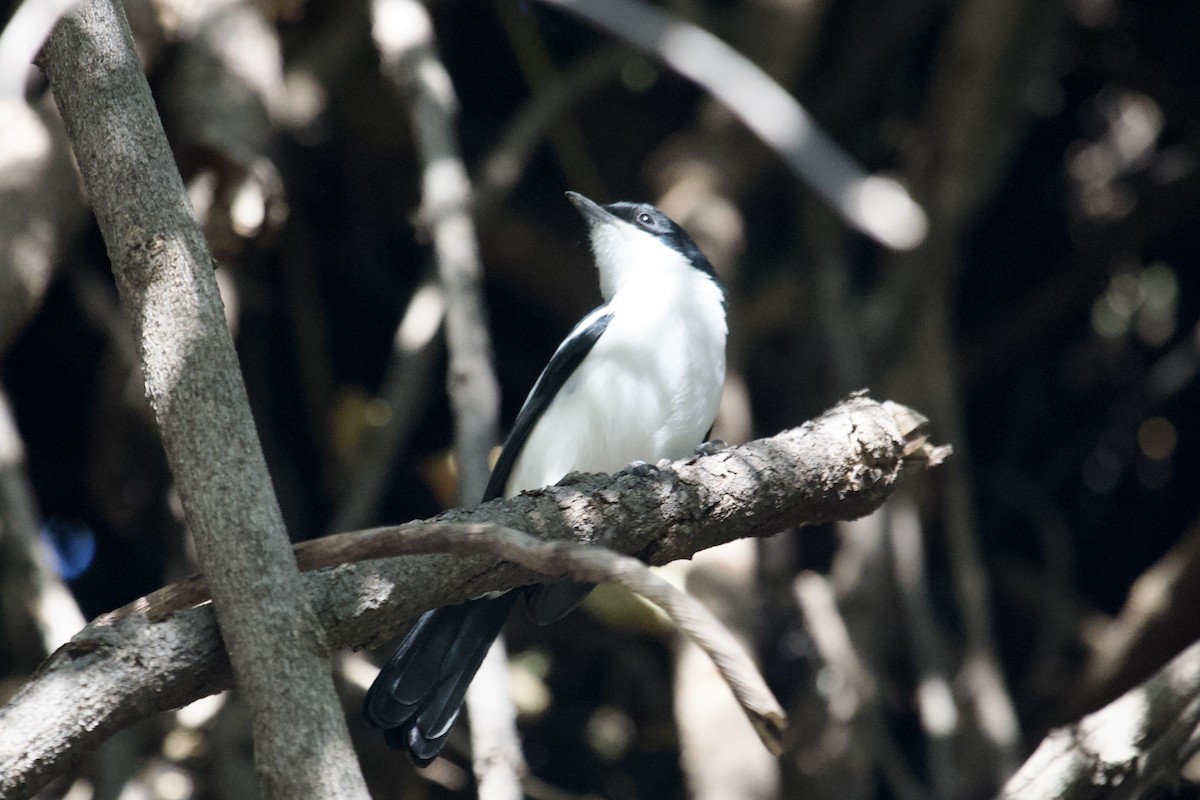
{"points": [[123, 668], [165, 280]]}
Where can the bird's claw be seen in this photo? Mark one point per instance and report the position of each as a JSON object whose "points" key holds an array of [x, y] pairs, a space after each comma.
{"points": [[641, 469]]}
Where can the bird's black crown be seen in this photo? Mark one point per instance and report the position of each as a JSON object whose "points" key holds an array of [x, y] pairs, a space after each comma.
{"points": [[658, 224]]}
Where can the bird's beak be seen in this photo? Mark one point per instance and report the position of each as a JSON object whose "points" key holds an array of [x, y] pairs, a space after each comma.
{"points": [[594, 213]]}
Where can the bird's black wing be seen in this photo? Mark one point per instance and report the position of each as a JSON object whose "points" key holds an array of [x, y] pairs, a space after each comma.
{"points": [[547, 602], [419, 692], [562, 365]]}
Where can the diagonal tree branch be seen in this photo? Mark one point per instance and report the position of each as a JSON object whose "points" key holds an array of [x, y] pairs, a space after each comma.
{"points": [[875, 205], [165, 280], [1133, 745], [123, 668]]}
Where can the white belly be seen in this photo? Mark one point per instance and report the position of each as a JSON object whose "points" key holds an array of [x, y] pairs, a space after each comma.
{"points": [[647, 390]]}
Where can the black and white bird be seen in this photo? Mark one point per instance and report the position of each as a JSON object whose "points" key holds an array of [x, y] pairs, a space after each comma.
{"points": [[638, 379]]}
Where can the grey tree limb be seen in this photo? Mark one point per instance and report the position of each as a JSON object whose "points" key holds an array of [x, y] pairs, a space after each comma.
{"points": [[166, 285], [496, 756], [934, 699], [1135, 744], [855, 705], [973, 118], [124, 667]]}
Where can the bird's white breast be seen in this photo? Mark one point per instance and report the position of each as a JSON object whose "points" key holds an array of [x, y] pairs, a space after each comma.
{"points": [[648, 389]]}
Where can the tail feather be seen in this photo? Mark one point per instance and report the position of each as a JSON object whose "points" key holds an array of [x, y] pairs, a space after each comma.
{"points": [[419, 692], [550, 602]]}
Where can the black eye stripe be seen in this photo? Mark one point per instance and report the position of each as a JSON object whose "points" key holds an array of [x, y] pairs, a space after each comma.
{"points": [[658, 225]]}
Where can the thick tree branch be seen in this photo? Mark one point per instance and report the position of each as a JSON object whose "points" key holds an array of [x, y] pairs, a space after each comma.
{"points": [[123, 668], [165, 279]]}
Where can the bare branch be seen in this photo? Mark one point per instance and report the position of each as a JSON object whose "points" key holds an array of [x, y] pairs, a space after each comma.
{"points": [[506, 162], [165, 280], [496, 756], [403, 33], [1157, 619], [934, 698], [123, 668], [877, 206], [1123, 750], [594, 564], [973, 115], [598, 565], [853, 706]]}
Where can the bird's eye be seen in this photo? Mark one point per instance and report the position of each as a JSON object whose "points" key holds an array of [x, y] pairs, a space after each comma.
{"points": [[646, 220]]}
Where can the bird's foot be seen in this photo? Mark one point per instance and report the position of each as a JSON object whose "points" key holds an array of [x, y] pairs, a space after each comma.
{"points": [[641, 469], [711, 447]]}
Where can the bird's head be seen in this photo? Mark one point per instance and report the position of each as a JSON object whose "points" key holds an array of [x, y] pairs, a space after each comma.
{"points": [[633, 242]]}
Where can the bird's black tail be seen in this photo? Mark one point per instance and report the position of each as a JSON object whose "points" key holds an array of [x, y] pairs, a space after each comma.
{"points": [[420, 690]]}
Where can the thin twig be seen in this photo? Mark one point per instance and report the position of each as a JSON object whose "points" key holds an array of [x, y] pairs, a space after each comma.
{"points": [[565, 136], [20, 40], [505, 163], [855, 698], [595, 564], [496, 755]]}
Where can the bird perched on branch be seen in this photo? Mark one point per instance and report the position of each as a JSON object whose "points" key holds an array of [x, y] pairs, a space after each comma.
{"points": [[638, 379]]}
